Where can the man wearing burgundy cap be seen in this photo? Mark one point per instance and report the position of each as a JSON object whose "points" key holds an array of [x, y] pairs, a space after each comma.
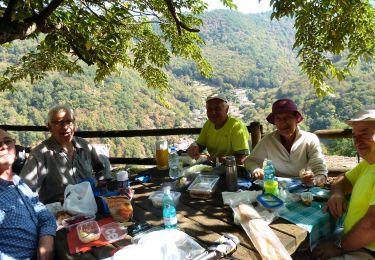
{"points": [[290, 149]]}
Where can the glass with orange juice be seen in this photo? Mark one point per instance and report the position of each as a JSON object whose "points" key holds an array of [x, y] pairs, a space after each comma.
{"points": [[162, 154]]}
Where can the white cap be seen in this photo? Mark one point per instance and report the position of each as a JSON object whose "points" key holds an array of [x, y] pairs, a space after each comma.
{"points": [[362, 115], [217, 96], [167, 189], [122, 176]]}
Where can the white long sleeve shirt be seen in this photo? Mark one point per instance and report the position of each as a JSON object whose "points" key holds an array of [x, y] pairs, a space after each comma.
{"points": [[305, 153]]}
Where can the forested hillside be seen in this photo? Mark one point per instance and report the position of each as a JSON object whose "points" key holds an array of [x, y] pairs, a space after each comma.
{"points": [[247, 52]]}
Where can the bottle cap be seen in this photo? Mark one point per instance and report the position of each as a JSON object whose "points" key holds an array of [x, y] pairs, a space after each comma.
{"points": [[230, 161], [122, 176], [167, 190]]}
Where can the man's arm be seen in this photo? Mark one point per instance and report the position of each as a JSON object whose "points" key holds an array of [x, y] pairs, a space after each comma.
{"points": [[97, 165], [29, 173], [336, 204], [362, 234], [316, 160], [253, 162], [195, 150], [45, 248], [241, 156]]}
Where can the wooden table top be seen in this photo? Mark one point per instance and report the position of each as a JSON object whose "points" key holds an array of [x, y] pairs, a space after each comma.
{"points": [[203, 219]]}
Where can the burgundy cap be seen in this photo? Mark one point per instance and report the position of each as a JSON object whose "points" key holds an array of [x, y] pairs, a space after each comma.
{"points": [[281, 106]]}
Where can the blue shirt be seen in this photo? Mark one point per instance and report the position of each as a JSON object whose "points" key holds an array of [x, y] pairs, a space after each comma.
{"points": [[23, 219]]}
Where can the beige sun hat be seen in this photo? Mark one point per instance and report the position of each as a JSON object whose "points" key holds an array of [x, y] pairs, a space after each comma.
{"points": [[217, 96], [361, 116]]}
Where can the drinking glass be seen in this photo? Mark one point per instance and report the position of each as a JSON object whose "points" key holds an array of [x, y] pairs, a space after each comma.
{"points": [[161, 154]]}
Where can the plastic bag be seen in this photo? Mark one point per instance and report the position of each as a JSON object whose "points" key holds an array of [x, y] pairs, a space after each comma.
{"points": [[169, 244], [79, 199]]}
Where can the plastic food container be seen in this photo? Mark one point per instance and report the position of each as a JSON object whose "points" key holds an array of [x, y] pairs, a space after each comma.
{"points": [[269, 201], [88, 231], [203, 186], [75, 220], [307, 198], [113, 231], [157, 198]]}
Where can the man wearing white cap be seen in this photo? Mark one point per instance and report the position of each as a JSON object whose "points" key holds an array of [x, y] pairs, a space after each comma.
{"points": [[221, 135], [358, 241]]}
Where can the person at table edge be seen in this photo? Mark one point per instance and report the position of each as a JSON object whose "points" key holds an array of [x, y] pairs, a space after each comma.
{"points": [[289, 148], [61, 159], [27, 228], [221, 135], [358, 241]]}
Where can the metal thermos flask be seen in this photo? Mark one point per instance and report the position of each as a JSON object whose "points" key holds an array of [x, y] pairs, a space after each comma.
{"points": [[231, 173]]}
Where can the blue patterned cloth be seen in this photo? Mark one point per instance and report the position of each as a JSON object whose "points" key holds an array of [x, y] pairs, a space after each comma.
{"points": [[320, 225], [23, 219]]}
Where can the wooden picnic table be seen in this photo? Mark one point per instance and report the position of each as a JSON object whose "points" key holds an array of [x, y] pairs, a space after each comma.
{"points": [[203, 219]]}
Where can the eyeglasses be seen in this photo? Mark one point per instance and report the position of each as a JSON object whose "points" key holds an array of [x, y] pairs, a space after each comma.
{"points": [[62, 123], [8, 142]]}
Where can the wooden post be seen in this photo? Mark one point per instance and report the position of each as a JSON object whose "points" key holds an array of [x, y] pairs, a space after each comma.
{"points": [[255, 130]]}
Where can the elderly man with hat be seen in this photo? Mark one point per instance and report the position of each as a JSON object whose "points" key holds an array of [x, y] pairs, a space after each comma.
{"points": [[221, 135], [290, 149], [358, 241]]}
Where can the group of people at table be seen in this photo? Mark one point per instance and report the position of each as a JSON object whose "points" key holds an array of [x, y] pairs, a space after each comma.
{"points": [[27, 228]]}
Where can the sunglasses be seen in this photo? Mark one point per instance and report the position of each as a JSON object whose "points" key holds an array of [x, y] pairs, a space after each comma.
{"points": [[7, 141]]}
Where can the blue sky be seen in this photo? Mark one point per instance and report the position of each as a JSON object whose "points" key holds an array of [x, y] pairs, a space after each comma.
{"points": [[244, 6]]}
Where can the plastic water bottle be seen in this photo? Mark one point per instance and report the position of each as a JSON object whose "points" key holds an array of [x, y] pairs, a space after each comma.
{"points": [[271, 185], [122, 182], [169, 210], [174, 164]]}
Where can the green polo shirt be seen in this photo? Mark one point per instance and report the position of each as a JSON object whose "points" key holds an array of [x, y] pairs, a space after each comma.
{"points": [[232, 138]]}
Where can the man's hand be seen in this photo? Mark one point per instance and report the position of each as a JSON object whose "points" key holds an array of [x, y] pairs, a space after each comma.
{"points": [[194, 151], [258, 174], [45, 248], [326, 250], [336, 205], [307, 177], [320, 180]]}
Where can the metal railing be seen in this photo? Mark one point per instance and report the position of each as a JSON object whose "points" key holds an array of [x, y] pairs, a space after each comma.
{"points": [[255, 130]]}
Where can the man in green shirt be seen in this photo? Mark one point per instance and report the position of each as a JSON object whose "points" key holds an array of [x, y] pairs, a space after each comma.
{"points": [[358, 240], [221, 135]]}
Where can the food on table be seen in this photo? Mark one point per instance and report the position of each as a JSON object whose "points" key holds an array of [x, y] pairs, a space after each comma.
{"points": [[203, 186], [157, 198], [60, 216], [307, 198], [120, 207], [75, 220], [199, 168], [88, 231], [264, 239]]}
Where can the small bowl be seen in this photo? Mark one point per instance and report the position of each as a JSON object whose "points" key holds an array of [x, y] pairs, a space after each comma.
{"points": [[88, 231], [157, 198], [307, 198]]}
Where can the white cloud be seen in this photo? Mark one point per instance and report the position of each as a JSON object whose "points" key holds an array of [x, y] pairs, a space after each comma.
{"points": [[244, 6]]}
